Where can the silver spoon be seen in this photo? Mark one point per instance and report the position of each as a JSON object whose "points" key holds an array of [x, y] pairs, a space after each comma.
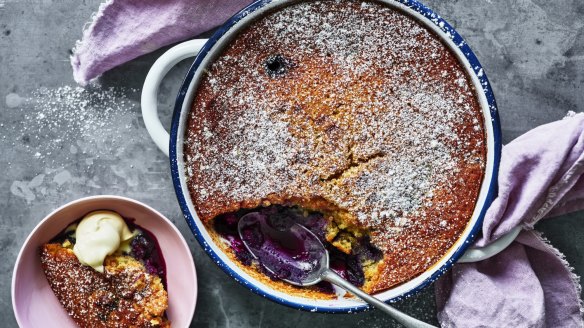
{"points": [[295, 255]]}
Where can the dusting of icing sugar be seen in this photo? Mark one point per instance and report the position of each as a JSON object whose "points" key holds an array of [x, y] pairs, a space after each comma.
{"points": [[91, 116], [374, 115], [261, 144]]}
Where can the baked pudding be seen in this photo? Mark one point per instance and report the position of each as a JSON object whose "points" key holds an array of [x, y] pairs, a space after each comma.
{"points": [[349, 117], [105, 281]]}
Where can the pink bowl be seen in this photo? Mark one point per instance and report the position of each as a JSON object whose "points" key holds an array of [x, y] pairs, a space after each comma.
{"points": [[33, 301]]}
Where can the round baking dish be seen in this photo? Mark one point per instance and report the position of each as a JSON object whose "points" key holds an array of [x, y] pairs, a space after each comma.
{"points": [[172, 145]]}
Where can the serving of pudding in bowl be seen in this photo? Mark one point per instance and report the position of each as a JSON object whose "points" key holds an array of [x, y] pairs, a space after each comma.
{"points": [[351, 118], [104, 261], [106, 271]]}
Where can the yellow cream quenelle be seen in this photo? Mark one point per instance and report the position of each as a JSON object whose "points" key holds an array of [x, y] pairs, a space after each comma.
{"points": [[98, 235]]}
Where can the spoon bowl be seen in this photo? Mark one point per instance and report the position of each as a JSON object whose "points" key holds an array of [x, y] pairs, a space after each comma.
{"points": [[290, 252], [294, 254]]}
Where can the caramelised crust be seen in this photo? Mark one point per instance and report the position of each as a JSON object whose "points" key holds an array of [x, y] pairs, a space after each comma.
{"points": [[365, 115], [124, 296]]}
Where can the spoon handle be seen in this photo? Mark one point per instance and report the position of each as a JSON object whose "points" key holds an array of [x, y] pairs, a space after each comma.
{"points": [[399, 316]]}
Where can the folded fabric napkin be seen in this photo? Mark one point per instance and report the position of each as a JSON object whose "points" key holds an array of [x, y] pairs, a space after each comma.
{"points": [[122, 30], [527, 285]]}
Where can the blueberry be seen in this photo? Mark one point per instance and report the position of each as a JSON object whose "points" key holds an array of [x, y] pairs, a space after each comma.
{"points": [[294, 212], [270, 210], [277, 65], [141, 247], [151, 267], [365, 251], [280, 221], [231, 220], [355, 273], [226, 224]]}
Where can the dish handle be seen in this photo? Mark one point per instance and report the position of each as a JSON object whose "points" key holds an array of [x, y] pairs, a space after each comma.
{"points": [[476, 254], [149, 98]]}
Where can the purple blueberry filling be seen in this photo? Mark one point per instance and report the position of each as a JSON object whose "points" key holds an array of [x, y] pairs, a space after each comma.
{"points": [[283, 253], [141, 247], [280, 246], [145, 249]]}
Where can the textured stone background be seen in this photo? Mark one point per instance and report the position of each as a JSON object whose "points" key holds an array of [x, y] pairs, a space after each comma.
{"points": [[532, 51]]}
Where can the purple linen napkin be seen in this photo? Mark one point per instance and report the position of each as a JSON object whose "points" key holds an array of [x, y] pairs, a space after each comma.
{"points": [[122, 30], [529, 284]]}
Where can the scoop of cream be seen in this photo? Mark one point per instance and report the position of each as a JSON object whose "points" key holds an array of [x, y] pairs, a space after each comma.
{"points": [[98, 235]]}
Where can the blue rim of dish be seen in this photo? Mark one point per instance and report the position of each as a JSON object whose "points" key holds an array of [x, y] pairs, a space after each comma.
{"points": [[428, 14]]}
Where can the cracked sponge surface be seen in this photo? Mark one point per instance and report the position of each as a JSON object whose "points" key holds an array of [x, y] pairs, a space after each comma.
{"points": [[351, 108]]}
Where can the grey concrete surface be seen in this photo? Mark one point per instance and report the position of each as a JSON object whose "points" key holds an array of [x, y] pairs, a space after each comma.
{"points": [[532, 51]]}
